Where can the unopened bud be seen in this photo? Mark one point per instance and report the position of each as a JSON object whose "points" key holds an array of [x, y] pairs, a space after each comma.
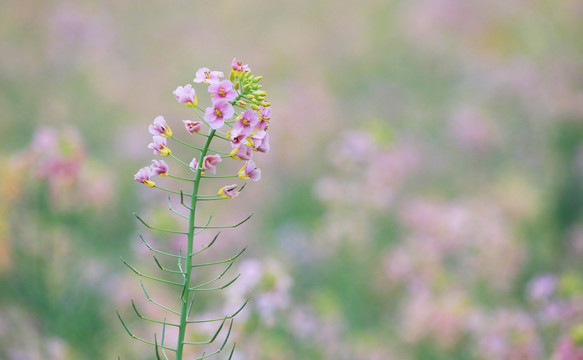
{"points": [[265, 103], [254, 107], [236, 86], [257, 79]]}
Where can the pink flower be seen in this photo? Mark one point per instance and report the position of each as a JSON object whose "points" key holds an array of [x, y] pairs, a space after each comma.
{"points": [[264, 117], [238, 66], [186, 95], [159, 146], [216, 115], [222, 90], [249, 171], [210, 162], [237, 136], [193, 164], [228, 191], [242, 152], [567, 349], [159, 127], [159, 168], [246, 122], [261, 141], [205, 75], [192, 127], [143, 176]]}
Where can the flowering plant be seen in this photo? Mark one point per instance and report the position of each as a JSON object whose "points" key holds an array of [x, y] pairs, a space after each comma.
{"points": [[238, 105]]}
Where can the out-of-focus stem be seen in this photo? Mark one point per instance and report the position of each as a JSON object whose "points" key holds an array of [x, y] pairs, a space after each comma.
{"points": [[189, 252]]}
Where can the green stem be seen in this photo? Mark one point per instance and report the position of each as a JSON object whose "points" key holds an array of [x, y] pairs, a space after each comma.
{"points": [[189, 252]]}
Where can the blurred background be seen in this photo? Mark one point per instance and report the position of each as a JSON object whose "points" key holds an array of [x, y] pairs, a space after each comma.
{"points": [[422, 198]]}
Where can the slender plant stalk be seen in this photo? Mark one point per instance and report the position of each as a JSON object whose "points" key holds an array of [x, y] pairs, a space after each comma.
{"points": [[189, 252]]}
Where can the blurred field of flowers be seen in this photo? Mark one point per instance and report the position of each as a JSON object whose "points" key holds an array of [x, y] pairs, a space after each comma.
{"points": [[423, 196]]}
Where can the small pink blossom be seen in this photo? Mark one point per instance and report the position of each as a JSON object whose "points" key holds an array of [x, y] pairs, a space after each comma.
{"points": [[261, 141], [222, 90], [192, 127], [247, 122], [159, 167], [237, 136], [159, 127], [193, 164], [239, 67], [242, 152], [567, 349], [159, 146], [186, 95], [143, 176], [206, 75], [264, 117], [215, 116], [210, 162], [249, 171], [229, 191]]}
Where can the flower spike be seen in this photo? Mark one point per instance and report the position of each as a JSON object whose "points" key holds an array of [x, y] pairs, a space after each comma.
{"points": [[247, 133]]}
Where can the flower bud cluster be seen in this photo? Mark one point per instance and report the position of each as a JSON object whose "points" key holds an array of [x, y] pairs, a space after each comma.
{"points": [[238, 103]]}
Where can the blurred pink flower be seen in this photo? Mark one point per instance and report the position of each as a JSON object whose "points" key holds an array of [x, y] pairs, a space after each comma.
{"points": [[542, 287], [159, 127], [472, 129], [567, 349]]}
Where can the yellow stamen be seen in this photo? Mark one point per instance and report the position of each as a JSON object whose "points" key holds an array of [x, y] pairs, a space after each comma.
{"points": [[242, 174], [164, 151]]}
